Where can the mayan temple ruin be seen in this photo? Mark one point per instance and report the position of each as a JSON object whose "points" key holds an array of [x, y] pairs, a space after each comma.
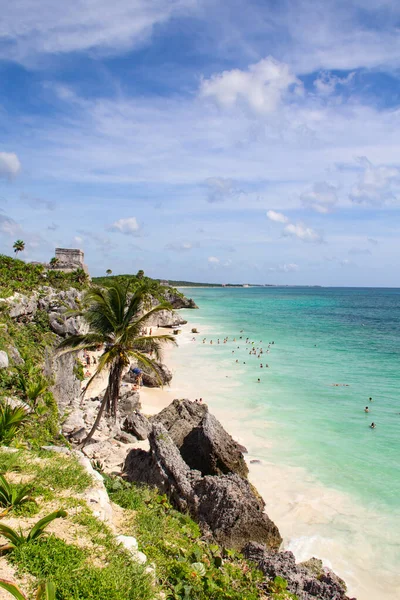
{"points": [[70, 259]]}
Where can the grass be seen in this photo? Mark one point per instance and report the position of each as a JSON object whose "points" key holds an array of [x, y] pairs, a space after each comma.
{"points": [[187, 566]]}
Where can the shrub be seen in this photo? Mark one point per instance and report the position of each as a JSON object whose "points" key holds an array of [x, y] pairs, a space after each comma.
{"points": [[11, 420]]}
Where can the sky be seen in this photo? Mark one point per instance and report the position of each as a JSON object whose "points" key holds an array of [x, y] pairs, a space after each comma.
{"points": [[253, 141]]}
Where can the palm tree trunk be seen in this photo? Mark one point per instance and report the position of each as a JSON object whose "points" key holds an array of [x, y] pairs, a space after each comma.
{"points": [[115, 391], [97, 421]]}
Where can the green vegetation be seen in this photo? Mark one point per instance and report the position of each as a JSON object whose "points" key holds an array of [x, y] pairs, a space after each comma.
{"points": [[19, 246], [13, 495], [46, 590], [11, 420], [18, 276], [116, 317], [187, 566], [17, 539]]}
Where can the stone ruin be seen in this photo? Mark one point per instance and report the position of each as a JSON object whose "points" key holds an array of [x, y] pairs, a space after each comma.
{"points": [[70, 259]]}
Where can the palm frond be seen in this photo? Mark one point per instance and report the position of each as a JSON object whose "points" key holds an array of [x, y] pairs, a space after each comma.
{"points": [[74, 343], [145, 361]]}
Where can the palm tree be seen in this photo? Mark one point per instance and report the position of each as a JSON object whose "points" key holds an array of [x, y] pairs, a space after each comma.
{"points": [[140, 274], [19, 246], [54, 262], [108, 272], [116, 316]]}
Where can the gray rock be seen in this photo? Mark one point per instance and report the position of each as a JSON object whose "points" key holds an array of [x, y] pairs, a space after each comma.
{"points": [[129, 402], [203, 442], [66, 387], [211, 450], [15, 356], [177, 300], [138, 425], [179, 418], [78, 435], [3, 359], [165, 318], [309, 581], [161, 376], [164, 468], [126, 438], [74, 422], [22, 307], [228, 506]]}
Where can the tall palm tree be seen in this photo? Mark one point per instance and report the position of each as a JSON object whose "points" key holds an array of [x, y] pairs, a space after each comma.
{"points": [[116, 316], [108, 272], [54, 262], [19, 246]]}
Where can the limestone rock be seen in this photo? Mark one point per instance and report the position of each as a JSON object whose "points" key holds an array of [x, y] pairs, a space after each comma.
{"points": [[3, 359], [165, 318], [73, 422], [233, 512], [66, 387], [150, 379], [129, 402], [211, 450], [138, 425], [303, 580], [164, 468], [177, 301], [179, 418], [14, 356], [22, 307], [130, 543]]}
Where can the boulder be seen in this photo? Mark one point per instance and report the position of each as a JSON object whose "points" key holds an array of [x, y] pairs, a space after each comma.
{"points": [[179, 418], [150, 378], [164, 468], [66, 387], [177, 300], [138, 425], [22, 307], [228, 506], [74, 422], [308, 581], [15, 356], [3, 359], [129, 402], [165, 318], [211, 450], [224, 506], [203, 442]]}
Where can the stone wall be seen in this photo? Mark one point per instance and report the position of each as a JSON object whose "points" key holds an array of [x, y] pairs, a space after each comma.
{"points": [[70, 259]]}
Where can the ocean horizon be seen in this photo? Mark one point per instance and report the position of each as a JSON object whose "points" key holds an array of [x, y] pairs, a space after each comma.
{"points": [[331, 483]]}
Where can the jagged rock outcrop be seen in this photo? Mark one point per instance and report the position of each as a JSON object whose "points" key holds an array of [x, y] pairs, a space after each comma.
{"points": [[224, 506], [129, 402], [66, 387], [165, 318], [228, 506], [309, 580], [177, 301], [203, 442], [211, 450], [179, 418], [22, 307], [138, 425], [3, 359], [164, 468], [152, 379]]}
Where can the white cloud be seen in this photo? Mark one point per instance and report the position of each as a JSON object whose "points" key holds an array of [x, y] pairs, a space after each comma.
{"points": [[220, 189], [285, 268], [262, 87], [179, 246], [374, 185], [9, 165], [8, 226], [29, 28], [213, 260], [302, 232], [128, 226], [322, 197], [326, 83], [277, 217]]}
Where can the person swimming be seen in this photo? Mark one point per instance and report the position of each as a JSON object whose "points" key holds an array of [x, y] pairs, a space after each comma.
{"points": [[370, 400], [372, 425], [366, 409], [258, 380]]}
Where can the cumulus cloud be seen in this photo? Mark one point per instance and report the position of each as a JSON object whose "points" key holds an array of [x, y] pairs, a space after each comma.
{"points": [[322, 197], [302, 232], [261, 87], [128, 226], [213, 260], [179, 246], [326, 83], [277, 217], [220, 189], [374, 184], [9, 165]]}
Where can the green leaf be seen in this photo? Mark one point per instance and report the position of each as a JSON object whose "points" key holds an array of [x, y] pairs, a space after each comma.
{"points": [[38, 529], [199, 568], [12, 589], [46, 591]]}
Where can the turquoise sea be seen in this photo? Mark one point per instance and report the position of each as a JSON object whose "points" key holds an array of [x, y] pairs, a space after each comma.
{"points": [[330, 481]]}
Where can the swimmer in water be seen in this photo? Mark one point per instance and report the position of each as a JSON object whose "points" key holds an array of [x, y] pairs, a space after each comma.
{"points": [[370, 400], [366, 409], [258, 380], [372, 425]]}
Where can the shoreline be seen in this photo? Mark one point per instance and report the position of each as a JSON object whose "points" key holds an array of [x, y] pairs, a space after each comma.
{"points": [[300, 505]]}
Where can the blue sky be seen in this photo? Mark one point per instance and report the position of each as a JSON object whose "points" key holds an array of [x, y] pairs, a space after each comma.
{"points": [[206, 140]]}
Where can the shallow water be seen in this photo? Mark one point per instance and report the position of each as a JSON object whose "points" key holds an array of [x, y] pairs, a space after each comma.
{"points": [[331, 483]]}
